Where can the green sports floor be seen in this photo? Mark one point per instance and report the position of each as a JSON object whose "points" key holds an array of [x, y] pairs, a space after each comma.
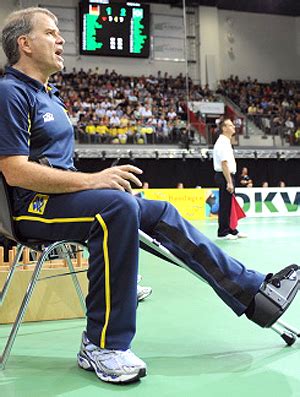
{"points": [[193, 344]]}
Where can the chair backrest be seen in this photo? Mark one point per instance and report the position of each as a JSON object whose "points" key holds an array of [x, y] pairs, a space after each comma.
{"points": [[6, 216]]}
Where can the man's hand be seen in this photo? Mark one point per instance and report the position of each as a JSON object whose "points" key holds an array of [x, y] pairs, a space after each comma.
{"points": [[118, 177], [230, 187]]}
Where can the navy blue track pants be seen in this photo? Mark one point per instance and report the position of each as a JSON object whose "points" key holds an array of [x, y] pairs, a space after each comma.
{"points": [[109, 220]]}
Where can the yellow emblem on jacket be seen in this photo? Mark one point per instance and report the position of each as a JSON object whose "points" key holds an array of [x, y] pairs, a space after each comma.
{"points": [[38, 204]]}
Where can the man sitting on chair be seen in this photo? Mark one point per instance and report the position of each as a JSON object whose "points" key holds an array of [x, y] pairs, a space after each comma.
{"points": [[52, 201]]}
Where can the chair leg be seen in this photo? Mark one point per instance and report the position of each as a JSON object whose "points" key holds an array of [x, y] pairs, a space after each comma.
{"points": [[3, 292], [13, 333], [66, 255]]}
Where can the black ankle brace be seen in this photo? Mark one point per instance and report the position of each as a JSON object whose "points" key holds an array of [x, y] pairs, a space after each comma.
{"points": [[274, 296]]}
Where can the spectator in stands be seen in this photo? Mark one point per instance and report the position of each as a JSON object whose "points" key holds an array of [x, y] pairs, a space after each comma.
{"points": [[139, 111], [264, 122], [289, 129], [278, 124], [114, 121], [146, 112], [140, 137], [265, 184], [124, 121], [162, 130], [109, 113], [285, 103], [252, 110], [244, 179], [90, 129], [238, 122], [80, 129], [171, 114], [102, 131]]}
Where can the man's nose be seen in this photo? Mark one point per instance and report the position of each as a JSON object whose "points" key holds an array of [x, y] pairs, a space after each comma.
{"points": [[60, 39]]}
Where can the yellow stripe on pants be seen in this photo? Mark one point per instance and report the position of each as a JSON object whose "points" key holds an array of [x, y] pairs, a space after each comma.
{"points": [[52, 220], [106, 278]]}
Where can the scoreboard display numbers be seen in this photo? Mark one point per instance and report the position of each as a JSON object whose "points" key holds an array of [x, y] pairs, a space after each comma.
{"points": [[115, 29]]}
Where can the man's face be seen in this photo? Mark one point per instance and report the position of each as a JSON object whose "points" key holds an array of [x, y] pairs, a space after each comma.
{"points": [[229, 128], [46, 44]]}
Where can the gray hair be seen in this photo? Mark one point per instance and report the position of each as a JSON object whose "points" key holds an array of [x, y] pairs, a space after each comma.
{"points": [[17, 24]]}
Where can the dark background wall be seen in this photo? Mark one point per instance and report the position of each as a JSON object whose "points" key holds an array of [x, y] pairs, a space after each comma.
{"points": [[192, 172]]}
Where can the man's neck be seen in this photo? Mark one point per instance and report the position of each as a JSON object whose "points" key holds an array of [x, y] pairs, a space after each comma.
{"points": [[227, 136], [32, 72]]}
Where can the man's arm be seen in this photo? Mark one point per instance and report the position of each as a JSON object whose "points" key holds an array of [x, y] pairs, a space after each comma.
{"points": [[18, 171], [227, 176]]}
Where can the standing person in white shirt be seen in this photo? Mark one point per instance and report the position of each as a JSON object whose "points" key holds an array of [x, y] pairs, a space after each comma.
{"points": [[225, 168]]}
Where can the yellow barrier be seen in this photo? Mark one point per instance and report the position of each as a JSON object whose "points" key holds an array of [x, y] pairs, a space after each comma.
{"points": [[189, 202]]}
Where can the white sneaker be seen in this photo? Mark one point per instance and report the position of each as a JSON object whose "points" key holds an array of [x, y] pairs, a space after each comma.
{"points": [[229, 237], [113, 366], [242, 235], [143, 292]]}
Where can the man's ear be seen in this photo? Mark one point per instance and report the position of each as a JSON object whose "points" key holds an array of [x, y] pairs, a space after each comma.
{"points": [[24, 44]]}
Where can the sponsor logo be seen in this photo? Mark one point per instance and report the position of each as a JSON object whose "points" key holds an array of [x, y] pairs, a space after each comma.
{"points": [[269, 201], [48, 117], [38, 204]]}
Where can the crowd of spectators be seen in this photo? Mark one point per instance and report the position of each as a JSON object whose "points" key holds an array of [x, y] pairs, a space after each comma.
{"points": [[112, 108], [274, 107]]}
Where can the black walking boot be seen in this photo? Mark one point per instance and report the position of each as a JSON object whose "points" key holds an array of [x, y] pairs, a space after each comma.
{"points": [[274, 296]]}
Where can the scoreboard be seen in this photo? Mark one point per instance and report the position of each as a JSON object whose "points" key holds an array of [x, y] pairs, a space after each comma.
{"points": [[115, 29]]}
